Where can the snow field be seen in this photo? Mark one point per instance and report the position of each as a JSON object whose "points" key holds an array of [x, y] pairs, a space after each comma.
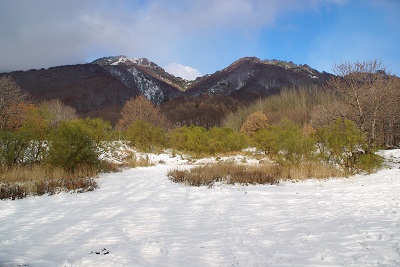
{"points": [[140, 218]]}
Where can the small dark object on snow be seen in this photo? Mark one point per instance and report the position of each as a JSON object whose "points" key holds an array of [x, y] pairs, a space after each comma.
{"points": [[104, 251]]}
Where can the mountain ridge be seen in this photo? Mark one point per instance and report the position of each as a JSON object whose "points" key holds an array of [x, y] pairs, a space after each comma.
{"points": [[100, 88], [250, 78]]}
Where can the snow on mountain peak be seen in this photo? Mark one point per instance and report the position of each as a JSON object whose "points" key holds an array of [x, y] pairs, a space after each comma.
{"points": [[123, 60], [126, 60]]}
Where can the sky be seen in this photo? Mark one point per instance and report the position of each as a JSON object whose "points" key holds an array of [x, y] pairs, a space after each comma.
{"points": [[190, 38]]}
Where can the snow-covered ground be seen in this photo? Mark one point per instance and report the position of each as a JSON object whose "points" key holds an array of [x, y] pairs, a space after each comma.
{"points": [[139, 218]]}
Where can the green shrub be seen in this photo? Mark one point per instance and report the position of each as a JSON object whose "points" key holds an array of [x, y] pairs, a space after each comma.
{"points": [[341, 143], [71, 147], [145, 136], [265, 140], [13, 146], [292, 143], [369, 162], [177, 138], [286, 143], [222, 140], [98, 129], [37, 129], [190, 139], [196, 139]]}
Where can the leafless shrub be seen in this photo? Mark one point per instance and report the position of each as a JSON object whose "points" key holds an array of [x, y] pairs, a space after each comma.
{"points": [[232, 173], [12, 191], [295, 104], [58, 111], [80, 185]]}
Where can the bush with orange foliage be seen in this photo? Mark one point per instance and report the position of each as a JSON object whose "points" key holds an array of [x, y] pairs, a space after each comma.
{"points": [[253, 123], [140, 108]]}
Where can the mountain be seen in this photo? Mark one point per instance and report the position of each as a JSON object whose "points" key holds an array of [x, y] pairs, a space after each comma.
{"points": [[87, 87], [147, 66], [101, 88], [250, 78], [152, 81]]}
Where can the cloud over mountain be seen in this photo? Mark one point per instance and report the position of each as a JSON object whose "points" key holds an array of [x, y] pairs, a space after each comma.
{"points": [[182, 71]]}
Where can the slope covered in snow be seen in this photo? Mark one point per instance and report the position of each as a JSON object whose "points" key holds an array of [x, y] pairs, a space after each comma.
{"points": [[139, 218]]}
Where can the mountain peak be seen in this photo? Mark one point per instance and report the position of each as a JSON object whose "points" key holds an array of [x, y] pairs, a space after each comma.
{"points": [[249, 78], [244, 60], [275, 62], [124, 60], [143, 65], [104, 61]]}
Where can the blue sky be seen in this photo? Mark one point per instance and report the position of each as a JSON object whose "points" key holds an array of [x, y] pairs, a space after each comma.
{"points": [[197, 37]]}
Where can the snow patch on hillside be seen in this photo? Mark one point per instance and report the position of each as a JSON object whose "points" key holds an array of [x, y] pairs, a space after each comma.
{"points": [[124, 60], [150, 89], [117, 73]]}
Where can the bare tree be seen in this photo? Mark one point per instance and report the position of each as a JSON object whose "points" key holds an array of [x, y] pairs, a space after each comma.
{"points": [[140, 108], [327, 114], [368, 92], [57, 111], [11, 99], [389, 120]]}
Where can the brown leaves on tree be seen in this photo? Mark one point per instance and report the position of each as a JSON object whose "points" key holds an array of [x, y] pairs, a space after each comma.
{"points": [[139, 108], [253, 123], [12, 104]]}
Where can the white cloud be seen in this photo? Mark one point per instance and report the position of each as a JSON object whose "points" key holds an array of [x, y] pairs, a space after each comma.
{"points": [[182, 71], [67, 32]]}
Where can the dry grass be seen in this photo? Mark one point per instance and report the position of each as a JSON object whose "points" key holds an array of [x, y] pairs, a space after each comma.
{"points": [[135, 161], [21, 181], [231, 173], [228, 172], [318, 170]]}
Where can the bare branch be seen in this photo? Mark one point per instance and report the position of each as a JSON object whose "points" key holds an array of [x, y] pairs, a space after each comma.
{"points": [[11, 97]]}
